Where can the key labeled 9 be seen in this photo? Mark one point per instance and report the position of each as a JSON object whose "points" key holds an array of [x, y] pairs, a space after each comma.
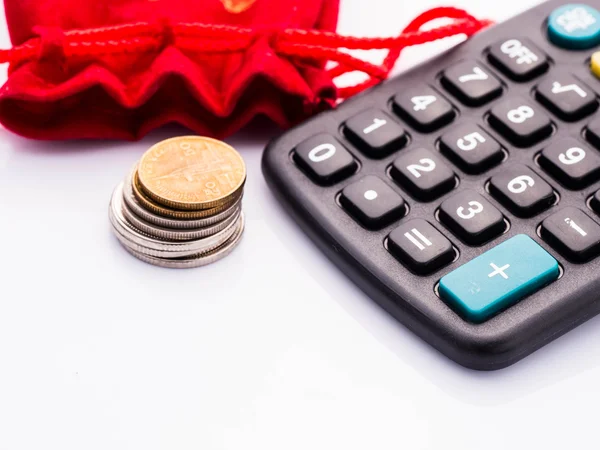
{"points": [[571, 162]]}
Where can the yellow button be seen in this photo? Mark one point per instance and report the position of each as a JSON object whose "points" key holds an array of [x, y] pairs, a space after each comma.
{"points": [[595, 64]]}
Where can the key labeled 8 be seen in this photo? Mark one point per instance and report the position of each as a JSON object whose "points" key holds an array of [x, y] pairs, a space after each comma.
{"points": [[520, 114]]}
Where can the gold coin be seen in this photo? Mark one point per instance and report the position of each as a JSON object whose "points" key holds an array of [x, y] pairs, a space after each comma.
{"points": [[156, 208], [192, 173]]}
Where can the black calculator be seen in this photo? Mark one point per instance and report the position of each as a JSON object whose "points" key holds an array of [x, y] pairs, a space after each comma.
{"points": [[464, 195]]}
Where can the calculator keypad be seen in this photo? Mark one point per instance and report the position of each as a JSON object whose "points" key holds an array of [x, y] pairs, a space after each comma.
{"points": [[520, 121], [471, 83], [462, 188], [471, 148], [571, 162], [372, 202], [420, 246], [519, 59], [375, 133], [566, 96], [573, 233], [472, 218], [522, 191], [325, 159], [424, 108]]}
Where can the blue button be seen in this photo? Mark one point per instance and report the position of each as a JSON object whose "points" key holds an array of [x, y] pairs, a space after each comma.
{"points": [[574, 26], [499, 278]]}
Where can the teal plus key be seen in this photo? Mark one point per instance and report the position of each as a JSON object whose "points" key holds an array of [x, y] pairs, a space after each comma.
{"points": [[498, 278], [574, 26]]}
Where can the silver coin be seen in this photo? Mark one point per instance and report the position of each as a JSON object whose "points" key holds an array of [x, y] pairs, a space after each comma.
{"points": [[197, 261], [136, 207], [172, 234], [143, 243]]}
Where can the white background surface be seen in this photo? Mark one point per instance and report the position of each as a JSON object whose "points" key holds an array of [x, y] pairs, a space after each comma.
{"points": [[272, 348]]}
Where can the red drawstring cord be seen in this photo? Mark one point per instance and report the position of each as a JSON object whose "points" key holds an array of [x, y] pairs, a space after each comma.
{"points": [[311, 45]]}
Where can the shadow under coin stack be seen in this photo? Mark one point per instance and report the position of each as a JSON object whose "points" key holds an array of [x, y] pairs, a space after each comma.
{"points": [[181, 206]]}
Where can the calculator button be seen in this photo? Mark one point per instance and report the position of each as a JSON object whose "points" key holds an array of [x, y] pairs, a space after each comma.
{"points": [[595, 202], [499, 278], [574, 26], [325, 159], [573, 164], [472, 218], [372, 202], [595, 64], [375, 133], [522, 191], [573, 233], [423, 174], [419, 246], [592, 132], [520, 121], [471, 148], [424, 108], [471, 83], [518, 59], [566, 96]]}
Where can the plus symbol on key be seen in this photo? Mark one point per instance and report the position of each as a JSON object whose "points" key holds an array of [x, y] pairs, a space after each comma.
{"points": [[499, 271]]}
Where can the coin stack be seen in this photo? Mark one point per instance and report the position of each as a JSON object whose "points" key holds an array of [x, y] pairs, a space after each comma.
{"points": [[180, 207]]}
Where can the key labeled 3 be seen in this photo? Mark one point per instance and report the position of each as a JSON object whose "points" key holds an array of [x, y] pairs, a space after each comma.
{"points": [[472, 217]]}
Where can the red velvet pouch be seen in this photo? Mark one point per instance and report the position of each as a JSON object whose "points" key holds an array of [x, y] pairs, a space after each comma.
{"points": [[119, 92], [120, 68]]}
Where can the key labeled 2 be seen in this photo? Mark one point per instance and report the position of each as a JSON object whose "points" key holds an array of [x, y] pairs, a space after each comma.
{"points": [[423, 174], [472, 217]]}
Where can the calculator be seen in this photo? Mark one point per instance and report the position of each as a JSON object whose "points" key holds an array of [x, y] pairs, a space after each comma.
{"points": [[463, 196]]}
